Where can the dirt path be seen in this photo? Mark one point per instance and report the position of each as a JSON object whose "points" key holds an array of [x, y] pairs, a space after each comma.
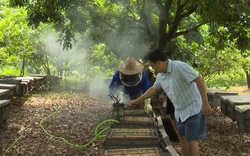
{"points": [[76, 120]]}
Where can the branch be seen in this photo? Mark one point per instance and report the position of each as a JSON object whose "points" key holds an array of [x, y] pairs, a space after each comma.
{"points": [[105, 21], [129, 10], [159, 4], [188, 30], [189, 12]]}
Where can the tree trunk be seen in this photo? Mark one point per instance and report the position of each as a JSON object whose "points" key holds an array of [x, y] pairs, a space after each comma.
{"points": [[22, 68], [248, 79]]}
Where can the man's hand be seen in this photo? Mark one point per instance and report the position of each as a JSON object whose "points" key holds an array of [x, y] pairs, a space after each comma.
{"points": [[206, 109], [134, 102]]}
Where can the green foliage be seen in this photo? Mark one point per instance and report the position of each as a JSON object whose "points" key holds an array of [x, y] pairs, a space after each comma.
{"points": [[102, 60], [220, 64], [11, 70], [227, 80], [198, 32]]}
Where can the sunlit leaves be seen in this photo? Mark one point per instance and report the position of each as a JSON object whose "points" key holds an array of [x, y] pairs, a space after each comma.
{"points": [[103, 60]]}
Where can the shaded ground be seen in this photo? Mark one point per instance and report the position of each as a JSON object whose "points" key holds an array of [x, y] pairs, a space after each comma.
{"points": [[76, 120]]}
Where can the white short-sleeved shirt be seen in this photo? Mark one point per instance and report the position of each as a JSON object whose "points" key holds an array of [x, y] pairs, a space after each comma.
{"points": [[179, 86]]}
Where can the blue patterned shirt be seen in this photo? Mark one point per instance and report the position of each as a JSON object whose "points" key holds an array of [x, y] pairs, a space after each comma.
{"points": [[179, 86]]}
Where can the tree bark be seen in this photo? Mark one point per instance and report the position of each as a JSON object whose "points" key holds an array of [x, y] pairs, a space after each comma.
{"points": [[248, 79]]}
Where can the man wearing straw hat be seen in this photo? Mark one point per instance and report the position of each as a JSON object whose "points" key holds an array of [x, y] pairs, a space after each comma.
{"points": [[131, 80]]}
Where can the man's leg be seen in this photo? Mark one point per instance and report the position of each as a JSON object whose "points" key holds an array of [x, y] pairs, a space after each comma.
{"points": [[190, 131], [189, 148], [193, 148], [184, 146]]}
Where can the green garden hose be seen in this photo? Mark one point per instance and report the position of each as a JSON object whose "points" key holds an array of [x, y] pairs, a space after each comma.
{"points": [[96, 133]]}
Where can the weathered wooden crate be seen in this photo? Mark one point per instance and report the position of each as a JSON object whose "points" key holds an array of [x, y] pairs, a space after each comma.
{"points": [[236, 101], [135, 121], [13, 82], [29, 80], [23, 88], [214, 96], [5, 94], [150, 151], [224, 103], [3, 113], [135, 112], [43, 76], [242, 115], [11, 87], [131, 138]]}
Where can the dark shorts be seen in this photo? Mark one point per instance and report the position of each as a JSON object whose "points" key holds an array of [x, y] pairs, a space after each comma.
{"points": [[194, 128]]}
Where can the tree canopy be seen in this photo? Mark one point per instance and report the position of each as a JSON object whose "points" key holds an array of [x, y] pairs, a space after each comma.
{"points": [[190, 29]]}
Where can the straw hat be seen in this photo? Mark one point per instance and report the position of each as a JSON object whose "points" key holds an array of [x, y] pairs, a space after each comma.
{"points": [[130, 67]]}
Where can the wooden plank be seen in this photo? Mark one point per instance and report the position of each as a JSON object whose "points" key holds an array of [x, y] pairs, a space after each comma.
{"points": [[24, 78], [135, 121], [131, 138], [10, 81], [5, 94], [150, 151], [13, 82], [11, 87], [7, 86], [135, 112], [166, 141], [4, 103]]}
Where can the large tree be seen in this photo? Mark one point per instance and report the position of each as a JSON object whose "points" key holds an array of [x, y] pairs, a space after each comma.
{"points": [[156, 21], [134, 26]]}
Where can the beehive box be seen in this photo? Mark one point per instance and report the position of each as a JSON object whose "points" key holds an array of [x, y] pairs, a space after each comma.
{"points": [[135, 112], [3, 112], [135, 121], [214, 96], [224, 103], [5, 94], [150, 151], [11, 87], [18, 92], [242, 115], [236, 101], [131, 138]]}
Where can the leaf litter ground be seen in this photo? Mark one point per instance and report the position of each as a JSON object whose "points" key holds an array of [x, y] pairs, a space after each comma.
{"points": [[76, 120]]}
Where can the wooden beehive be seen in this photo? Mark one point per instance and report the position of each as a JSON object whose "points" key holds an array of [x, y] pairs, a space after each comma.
{"points": [[11, 87], [3, 112], [224, 103], [242, 115], [135, 121], [150, 151], [214, 96], [118, 110], [4, 94], [131, 138], [12, 81], [135, 112], [236, 101]]}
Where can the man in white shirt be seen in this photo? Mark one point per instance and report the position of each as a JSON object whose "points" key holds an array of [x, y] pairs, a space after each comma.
{"points": [[186, 89]]}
